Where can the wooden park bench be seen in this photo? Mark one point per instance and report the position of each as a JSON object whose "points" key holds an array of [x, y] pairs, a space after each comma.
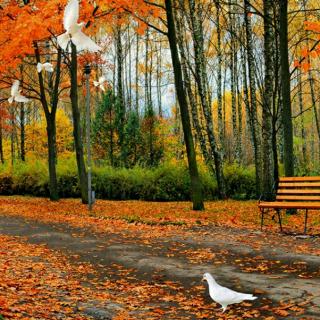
{"points": [[293, 193]]}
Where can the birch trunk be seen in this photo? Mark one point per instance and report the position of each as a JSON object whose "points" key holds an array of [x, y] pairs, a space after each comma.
{"points": [[267, 177], [255, 129], [196, 187], [204, 94]]}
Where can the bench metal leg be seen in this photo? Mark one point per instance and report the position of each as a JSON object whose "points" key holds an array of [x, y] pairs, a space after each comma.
{"points": [[305, 221], [279, 219], [262, 216]]}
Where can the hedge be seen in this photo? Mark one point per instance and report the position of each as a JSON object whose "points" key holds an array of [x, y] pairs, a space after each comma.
{"points": [[166, 182]]}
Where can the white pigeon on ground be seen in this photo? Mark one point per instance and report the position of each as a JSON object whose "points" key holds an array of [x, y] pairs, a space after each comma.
{"points": [[73, 30], [100, 83], [223, 295], [47, 66], [15, 93]]}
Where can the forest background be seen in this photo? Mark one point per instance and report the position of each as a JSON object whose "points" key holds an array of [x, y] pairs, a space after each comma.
{"points": [[236, 81]]}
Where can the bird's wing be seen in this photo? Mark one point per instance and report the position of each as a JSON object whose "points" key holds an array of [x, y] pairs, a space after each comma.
{"points": [[102, 79], [63, 40], [15, 87], [20, 98], [48, 66], [225, 295], [39, 67], [83, 42], [71, 14]]}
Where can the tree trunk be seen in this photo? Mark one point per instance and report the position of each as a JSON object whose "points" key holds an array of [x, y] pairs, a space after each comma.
{"points": [[12, 135], [192, 99], [22, 132], [267, 167], [255, 129], [1, 142], [202, 85], [137, 75], [51, 123], [285, 85], [120, 97], [303, 132], [235, 134], [196, 187], [159, 79], [77, 126], [51, 135], [219, 76]]}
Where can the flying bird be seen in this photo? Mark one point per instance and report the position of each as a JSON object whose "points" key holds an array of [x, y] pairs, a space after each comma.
{"points": [[73, 30], [223, 295], [44, 66], [100, 83], [15, 93]]}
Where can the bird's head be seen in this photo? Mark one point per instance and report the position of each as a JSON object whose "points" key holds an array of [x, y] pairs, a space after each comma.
{"points": [[206, 276]]}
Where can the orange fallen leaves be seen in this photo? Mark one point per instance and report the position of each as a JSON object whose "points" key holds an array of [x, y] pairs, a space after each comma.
{"points": [[33, 271], [231, 213]]}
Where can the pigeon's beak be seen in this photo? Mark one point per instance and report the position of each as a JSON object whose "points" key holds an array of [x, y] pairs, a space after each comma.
{"points": [[203, 279]]}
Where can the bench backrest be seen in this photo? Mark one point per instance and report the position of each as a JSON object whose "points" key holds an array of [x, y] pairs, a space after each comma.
{"points": [[299, 189]]}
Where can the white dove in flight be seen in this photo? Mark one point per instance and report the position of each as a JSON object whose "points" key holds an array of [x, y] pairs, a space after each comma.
{"points": [[15, 93], [100, 83], [73, 30], [47, 66], [223, 295]]}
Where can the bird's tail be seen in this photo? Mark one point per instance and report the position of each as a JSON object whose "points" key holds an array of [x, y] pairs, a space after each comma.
{"points": [[63, 40], [249, 297]]}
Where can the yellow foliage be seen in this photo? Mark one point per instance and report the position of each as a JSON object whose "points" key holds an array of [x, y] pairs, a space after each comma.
{"points": [[36, 137]]}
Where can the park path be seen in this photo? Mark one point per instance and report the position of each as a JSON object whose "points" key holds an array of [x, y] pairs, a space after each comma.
{"points": [[287, 283]]}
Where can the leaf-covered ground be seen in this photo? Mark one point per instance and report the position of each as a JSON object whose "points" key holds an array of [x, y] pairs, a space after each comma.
{"points": [[138, 260]]}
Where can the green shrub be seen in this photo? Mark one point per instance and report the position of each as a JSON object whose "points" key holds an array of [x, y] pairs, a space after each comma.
{"points": [[240, 182], [167, 182]]}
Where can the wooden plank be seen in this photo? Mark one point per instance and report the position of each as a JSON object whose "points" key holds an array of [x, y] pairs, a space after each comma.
{"points": [[292, 179], [298, 198], [299, 185], [289, 205], [298, 191]]}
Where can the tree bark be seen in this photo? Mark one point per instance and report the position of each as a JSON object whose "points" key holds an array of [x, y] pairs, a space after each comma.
{"points": [[192, 99], [196, 187], [51, 123], [1, 142], [120, 97], [302, 127], [77, 125], [22, 133], [267, 177], [219, 75], [255, 129], [286, 91], [202, 85]]}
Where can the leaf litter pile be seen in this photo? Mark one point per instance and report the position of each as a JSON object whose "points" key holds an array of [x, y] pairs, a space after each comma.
{"points": [[39, 283]]}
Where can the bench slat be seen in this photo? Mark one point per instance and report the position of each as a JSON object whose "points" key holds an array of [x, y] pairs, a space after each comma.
{"points": [[292, 179], [298, 191], [289, 205], [298, 198], [298, 184]]}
